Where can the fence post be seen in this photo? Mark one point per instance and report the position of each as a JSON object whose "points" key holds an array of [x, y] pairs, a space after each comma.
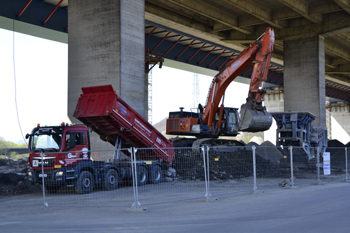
{"points": [[207, 176], [254, 168], [135, 207], [205, 173], [209, 194], [346, 164], [318, 165], [291, 166], [42, 177]]}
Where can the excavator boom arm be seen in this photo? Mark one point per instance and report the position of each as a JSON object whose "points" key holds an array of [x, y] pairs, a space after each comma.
{"points": [[260, 51]]}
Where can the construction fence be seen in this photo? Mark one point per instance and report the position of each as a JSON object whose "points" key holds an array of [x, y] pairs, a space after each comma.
{"points": [[203, 173]]}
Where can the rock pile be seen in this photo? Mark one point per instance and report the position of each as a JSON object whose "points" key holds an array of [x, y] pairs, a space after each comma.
{"points": [[13, 178], [337, 153], [226, 163]]}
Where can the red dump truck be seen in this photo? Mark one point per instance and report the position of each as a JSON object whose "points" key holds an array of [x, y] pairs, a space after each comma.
{"points": [[66, 148]]}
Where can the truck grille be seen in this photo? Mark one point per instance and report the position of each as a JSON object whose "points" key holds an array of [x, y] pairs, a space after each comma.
{"points": [[48, 161]]}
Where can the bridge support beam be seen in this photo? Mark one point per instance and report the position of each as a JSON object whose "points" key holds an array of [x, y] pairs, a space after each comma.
{"points": [[107, 46], [304, 77]]}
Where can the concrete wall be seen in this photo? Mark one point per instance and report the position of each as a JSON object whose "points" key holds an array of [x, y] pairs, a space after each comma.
{"points": [[304, 77], [340, 113], [274, 102], [106, 45]]}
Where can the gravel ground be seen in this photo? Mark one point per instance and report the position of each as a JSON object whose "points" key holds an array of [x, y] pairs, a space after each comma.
{"points": [[313, 208]]}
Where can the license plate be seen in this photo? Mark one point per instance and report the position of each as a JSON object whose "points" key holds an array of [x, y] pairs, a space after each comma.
{"points": [[42, 175]]}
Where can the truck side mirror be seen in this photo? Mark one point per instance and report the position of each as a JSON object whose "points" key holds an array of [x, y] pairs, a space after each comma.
{"points": [[27, 136]]}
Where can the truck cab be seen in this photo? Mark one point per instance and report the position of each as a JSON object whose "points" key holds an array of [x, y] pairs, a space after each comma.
{"points": [[65, 151], [65, 144]]}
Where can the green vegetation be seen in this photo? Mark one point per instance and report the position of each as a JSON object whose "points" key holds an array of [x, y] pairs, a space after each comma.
{"points": [[15, 156], [8, 144]]}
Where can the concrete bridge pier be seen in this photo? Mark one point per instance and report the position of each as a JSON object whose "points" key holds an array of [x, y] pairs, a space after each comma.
{"points": [[107, 46], [304, 77]]}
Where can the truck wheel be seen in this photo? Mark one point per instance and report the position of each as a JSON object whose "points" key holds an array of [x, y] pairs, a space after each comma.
{"points": [[111, 180], [156, 175], [142, 175], [85, 183]]}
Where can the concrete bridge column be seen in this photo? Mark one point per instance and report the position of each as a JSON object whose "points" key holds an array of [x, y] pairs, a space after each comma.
{"points": [[106, 45], [304, 77]]}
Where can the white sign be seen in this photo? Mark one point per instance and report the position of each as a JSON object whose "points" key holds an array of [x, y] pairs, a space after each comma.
{"points": [[326, 163]]}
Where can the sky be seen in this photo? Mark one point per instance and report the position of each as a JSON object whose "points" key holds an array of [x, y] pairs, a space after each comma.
{"points": [[35, 71]]}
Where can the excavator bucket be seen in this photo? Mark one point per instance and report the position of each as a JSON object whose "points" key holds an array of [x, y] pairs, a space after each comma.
{"points": [[254, 118]]}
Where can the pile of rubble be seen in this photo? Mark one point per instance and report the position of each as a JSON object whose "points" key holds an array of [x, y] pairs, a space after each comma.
{"points": [[229, 162], [337, 153], [13, 178]]}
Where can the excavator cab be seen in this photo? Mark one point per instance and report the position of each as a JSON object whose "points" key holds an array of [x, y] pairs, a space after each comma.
{"points": [[229, 122]]}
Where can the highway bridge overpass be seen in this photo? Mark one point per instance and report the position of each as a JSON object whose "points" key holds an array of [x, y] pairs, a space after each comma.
{"points": [[107, 38]]}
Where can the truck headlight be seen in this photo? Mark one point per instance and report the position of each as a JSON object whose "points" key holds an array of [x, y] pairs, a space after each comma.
{"points": [[59, 173]]}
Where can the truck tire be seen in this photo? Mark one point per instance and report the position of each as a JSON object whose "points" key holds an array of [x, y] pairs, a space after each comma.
{"points": [[85, 183], [155, 174], [142, 176], [111, 180]]}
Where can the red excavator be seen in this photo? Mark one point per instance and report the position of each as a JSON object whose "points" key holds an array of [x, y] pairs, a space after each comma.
{"points": [[212, 121]]}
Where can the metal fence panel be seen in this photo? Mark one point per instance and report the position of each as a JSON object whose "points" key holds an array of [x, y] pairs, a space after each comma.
{"points": [[75, 190], [181, 180], [230, 169], [309, 169], [270, 168], [339, 165], [195, 173]]}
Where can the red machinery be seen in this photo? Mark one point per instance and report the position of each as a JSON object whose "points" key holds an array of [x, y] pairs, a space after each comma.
{"points": [[212, 121], [63, 152], [100, 109]]}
